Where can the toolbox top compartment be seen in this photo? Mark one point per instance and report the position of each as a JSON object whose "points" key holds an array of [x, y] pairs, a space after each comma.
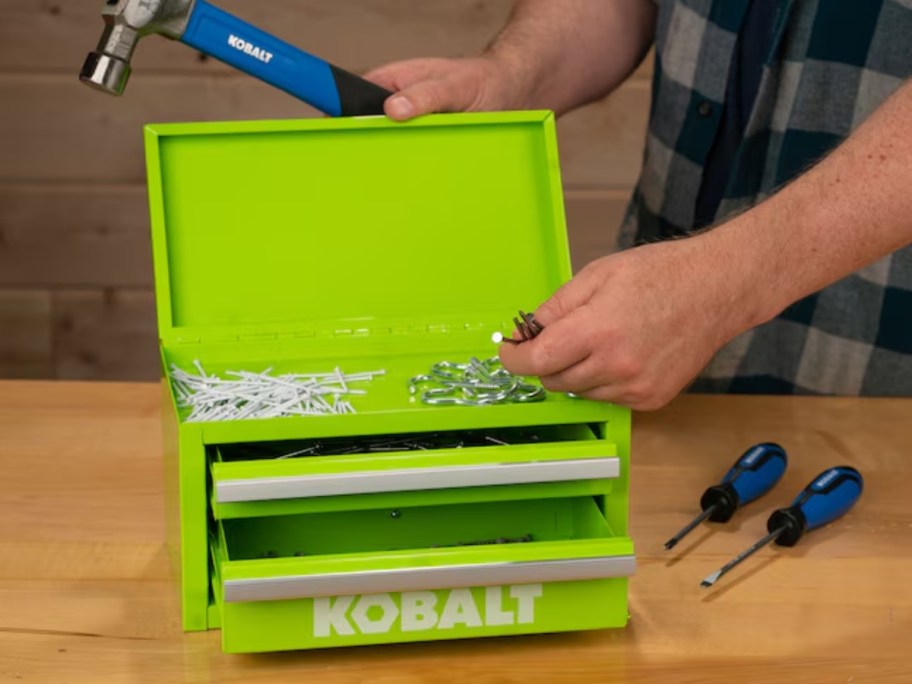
{"points": [[305, 245]]}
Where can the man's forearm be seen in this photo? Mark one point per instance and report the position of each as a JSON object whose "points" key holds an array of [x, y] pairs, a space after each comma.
{"points": [[566, 53], [851, 209]]}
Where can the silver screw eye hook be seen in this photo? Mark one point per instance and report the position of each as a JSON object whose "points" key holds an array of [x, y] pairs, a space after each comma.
{"points": [[419, 380]]}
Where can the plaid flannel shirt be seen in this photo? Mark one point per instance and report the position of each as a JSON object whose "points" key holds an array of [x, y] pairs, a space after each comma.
{"points": [[831, 63]]}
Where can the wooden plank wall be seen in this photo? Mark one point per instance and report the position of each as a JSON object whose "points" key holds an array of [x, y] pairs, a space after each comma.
{"points": [[75, 271]]}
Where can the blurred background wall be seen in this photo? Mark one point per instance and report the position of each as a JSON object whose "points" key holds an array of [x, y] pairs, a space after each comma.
{"points": [[75, 267]]}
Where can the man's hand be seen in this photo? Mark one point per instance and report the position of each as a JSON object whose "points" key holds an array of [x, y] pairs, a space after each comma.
{"points": [[423, 86], [553, 54], [635, 328]]}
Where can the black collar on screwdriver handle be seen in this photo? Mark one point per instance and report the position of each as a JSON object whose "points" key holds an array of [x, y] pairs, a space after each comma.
{"points": [[828, 497]]}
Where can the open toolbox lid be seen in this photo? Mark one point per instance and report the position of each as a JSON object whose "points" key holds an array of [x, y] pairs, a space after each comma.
{"points": [[266, 226]]}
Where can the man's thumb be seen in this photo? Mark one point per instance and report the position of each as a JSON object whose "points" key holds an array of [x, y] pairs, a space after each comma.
{"points": [[399, 107], [569, 297]]}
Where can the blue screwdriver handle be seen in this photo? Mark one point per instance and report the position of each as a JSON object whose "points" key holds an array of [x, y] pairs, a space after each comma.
{"points": [[827, 498], [330, 89], [757, 471], [752, 475]]}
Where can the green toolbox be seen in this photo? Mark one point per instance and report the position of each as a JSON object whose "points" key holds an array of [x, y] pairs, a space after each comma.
{"points": [[355, 255]]}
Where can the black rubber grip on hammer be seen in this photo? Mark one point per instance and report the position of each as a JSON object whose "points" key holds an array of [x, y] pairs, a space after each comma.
{"points": [[357, 96]]}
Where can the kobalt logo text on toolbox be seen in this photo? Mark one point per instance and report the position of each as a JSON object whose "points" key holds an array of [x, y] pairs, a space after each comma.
{"points": [[417, 611], [250, 49]]}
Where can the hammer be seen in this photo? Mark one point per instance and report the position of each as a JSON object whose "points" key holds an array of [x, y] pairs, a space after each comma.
{"points": [[215, 32]]}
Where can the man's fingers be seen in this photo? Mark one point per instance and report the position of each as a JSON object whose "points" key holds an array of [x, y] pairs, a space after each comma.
{"points": [[581, 377], [383, 77], [425, 86], [558, 347], [425, 97], [636, 399], [399, 108], [410, 83], [399, 75], [606, 393], [568, 297]]}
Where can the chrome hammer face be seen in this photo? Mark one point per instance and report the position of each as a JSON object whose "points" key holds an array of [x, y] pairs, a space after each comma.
{"points": [[126, 21]]}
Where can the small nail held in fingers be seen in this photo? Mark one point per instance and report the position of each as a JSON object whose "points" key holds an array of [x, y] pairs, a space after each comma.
{"points": [[498, 337], [527, 326]]}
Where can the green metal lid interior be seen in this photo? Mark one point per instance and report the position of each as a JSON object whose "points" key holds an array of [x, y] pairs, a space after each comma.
{"points": [[268, 224]]}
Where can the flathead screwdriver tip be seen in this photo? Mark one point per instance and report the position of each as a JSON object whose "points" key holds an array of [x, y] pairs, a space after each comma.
{"points": [[711, 579]]}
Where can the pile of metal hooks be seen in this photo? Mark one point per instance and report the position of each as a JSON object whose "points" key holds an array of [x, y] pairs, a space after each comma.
{"points": [[476, 383]]}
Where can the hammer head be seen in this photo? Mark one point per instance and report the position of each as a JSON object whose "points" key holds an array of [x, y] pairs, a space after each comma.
{"points": [[126, 21]]}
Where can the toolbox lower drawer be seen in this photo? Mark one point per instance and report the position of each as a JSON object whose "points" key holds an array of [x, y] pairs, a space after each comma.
{"points": [[259, 473], [424, 573]]}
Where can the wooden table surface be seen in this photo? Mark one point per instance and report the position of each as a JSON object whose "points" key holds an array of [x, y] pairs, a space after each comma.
{"points": [[86, 596]]}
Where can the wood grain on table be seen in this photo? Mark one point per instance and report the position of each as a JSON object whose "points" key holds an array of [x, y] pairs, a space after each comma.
{"points": [[86, 595]]}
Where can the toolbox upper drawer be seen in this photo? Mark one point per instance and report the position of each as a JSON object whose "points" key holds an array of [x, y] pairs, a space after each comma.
{"points": [[267, 472], [275, 578]]}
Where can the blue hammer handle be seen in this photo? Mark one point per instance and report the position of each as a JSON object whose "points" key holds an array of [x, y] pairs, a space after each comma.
{"points": [[330, 89]]}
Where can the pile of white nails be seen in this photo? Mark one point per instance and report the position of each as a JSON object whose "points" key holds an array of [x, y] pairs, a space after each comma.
{"points": [[243, 394]]}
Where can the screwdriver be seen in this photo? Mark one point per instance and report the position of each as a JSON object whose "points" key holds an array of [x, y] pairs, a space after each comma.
{"points": [[752, 475], [828, 497]]}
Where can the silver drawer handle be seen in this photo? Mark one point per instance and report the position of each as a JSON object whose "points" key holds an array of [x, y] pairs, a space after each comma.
{"points": [[412, 479], [417, 579]]}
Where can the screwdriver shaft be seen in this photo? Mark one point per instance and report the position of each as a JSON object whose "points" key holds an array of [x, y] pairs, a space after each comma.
{"points": [[747, 553], [671, 543]]}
